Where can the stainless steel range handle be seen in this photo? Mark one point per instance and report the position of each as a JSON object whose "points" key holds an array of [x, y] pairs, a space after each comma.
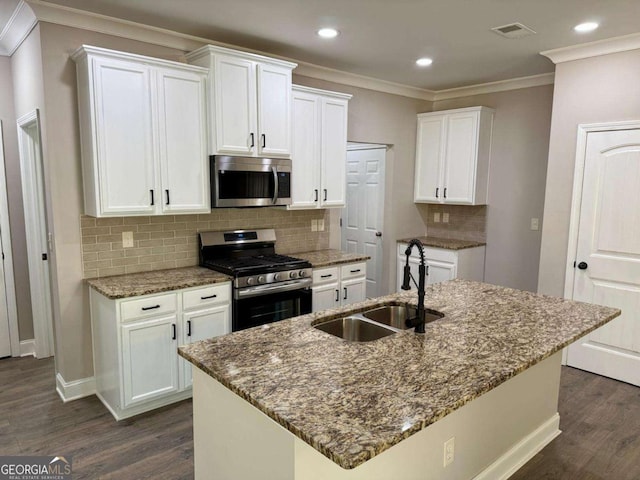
{"points": [[277, 186], [266, 289]]}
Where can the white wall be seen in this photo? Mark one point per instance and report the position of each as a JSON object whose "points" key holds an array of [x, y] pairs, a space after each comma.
{"points": [[520, 147], [592, 90]]}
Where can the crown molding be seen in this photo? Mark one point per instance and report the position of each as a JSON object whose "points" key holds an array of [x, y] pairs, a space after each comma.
{"points": [[594, 49], [72, 17], [17, 28], [493, 87]]}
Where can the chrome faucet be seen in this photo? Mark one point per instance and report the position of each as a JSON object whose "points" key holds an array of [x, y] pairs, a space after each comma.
{"points": [[423, 271]]}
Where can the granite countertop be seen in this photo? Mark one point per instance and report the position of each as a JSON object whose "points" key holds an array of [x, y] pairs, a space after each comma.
{"points": [[447, 243], [352, 401], [327, 258], [145, 283]]}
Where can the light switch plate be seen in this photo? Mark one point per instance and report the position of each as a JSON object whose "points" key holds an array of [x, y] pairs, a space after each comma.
{"points": [[127, 239], [535, 224], [436, 217], [314, 225], [445, 217], [321, 225]]}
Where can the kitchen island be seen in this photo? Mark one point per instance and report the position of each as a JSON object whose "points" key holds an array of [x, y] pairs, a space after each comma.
{"points": [[288, 401]]}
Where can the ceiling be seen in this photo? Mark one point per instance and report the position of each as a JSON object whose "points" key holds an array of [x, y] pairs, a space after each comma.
{"points": [[383, 38]]}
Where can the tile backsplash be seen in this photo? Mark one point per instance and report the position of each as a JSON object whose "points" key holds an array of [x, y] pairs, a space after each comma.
{"points": [[170, 241], [465, 222]]}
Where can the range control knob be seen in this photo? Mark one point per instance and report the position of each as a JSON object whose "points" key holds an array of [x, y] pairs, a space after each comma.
{"points": [[277, 277], [302, 274], [293, 274], [251, 281], [262, 279]]}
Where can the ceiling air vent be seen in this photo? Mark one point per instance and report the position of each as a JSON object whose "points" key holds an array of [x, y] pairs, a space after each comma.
{"points": [[513, 30]]}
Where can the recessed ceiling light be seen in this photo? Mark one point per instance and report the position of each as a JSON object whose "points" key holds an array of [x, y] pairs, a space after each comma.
{"points": [[424, 62], [328, 32], [586, 27]]}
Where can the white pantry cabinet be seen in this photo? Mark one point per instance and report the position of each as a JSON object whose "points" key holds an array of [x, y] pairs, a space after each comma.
{"points": [[249, 102], [453, 150], [143, 134], [319, 148], [444, 264], [338, 286], [135, 343]]}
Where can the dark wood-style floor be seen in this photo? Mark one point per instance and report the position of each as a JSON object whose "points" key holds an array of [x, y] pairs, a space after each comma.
{"points": [[600, 419]]}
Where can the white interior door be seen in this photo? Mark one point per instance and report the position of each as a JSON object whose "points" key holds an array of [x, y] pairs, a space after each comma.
{"points": [[363, 215], [608, 254]]}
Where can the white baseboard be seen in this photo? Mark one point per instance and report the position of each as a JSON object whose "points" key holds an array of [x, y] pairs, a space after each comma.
{"points": [[76, 389], [523, 451], [28, 348]]}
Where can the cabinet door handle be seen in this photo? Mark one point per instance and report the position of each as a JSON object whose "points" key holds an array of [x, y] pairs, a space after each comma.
{"points": [[325, 194], [188, 328], [345, 293], [173, 330], [355, 271], [445, 192], [208, 297], [437, 191], [150, 308], [168, 199], [264, 140], [316, 192], [253, 140], [337, 295], [152, 200], [328, 275]]}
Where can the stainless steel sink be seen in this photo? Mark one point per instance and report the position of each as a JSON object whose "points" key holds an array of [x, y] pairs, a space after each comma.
{"points": [[396, 315], [355, 329]]}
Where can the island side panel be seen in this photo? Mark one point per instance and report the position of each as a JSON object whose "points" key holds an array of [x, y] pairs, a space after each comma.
{"points": [[234, 440], [494, 435]]}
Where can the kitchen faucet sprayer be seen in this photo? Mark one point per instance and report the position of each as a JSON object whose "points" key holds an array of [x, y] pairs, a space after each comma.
{"points": [[423, 271]]}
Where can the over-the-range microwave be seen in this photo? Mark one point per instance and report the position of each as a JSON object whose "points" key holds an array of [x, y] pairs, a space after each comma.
{"points": [[249, 181]]}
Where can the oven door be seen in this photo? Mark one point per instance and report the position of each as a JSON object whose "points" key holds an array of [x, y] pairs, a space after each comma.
{"points": [[249, 182], [262, 309]]}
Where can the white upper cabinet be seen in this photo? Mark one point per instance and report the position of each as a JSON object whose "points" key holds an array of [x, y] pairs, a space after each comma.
{"points": [[319, 148], [453, 151], [143, 134], [250, 102]]}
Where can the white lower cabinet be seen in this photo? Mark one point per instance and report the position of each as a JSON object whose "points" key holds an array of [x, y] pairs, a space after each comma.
{"points": [[338, 286], [443, 264], [135, 344]]}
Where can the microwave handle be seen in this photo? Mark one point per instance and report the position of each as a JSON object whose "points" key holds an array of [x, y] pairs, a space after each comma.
{"points": [[276, 186]]}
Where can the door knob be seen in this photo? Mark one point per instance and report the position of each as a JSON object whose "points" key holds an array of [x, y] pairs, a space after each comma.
{"points": [[582, 265], [378, 234]]}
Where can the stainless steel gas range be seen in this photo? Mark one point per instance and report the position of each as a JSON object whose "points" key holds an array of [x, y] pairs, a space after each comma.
{"points": [[267, 287]]}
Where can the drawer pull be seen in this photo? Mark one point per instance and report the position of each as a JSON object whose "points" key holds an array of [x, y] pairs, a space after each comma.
{"points": [[328, 275], [150, 308], [208, 297], [355, 271]]}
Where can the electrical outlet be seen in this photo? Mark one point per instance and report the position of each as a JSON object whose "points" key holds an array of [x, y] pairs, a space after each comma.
{"points": [[445, 217], [314, 225], [449, 449], [535, 224], [321, 225], [436, 217], [127, 239]]}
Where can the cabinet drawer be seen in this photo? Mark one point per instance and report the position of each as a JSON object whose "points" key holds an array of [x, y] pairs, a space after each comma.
{"points": [[353, 270], [148, 306], [205, 296], [325, 275], [440, 254]]}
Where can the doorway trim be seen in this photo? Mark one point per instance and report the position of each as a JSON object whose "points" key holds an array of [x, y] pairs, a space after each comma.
{"points": [[5, 232], [32, 173], [576, 199]]}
